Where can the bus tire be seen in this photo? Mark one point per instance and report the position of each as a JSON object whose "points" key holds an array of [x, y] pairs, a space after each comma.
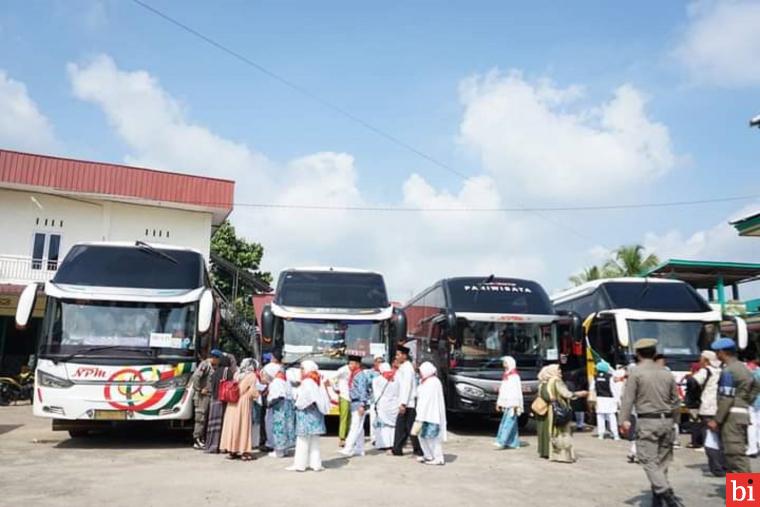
{"points": [[523, 420]]}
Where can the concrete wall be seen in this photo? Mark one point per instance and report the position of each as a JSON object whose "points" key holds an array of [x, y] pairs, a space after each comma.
{"points": [[24, 213]]}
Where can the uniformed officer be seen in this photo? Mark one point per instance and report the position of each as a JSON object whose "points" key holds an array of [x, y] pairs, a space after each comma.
{"points": [[201, 396], [736, 391], [652, 391]]}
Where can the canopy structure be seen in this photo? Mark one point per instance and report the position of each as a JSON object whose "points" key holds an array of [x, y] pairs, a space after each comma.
{"points": [[710, 275], [749, 225]]}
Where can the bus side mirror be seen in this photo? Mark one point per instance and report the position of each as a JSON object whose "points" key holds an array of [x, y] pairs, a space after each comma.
{"points": [[26, 305], [205, 311], [451, 322], [742, 337], [267, 324], [399, 326]]}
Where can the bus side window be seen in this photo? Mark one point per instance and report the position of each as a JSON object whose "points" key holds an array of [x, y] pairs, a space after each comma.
{"points": [[603, 339]]}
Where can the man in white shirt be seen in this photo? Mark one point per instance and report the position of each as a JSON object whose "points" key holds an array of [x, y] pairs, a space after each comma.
{"points": [[344, 403], [407, 381]]}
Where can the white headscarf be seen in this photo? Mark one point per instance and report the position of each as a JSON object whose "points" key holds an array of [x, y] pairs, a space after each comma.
{"points": [[385, 394], [509, 363], [431, 407], [510, 390], [248, 365], [309, 392], [278, 388]]}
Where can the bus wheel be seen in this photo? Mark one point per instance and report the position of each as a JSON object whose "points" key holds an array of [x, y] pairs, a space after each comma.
{"points": [[523, 420], [79, 433]]}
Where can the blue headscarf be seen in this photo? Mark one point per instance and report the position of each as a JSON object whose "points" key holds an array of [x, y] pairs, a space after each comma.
{"points": [[603, 366]]}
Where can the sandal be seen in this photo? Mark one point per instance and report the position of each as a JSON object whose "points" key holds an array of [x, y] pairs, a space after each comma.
{"points": [[247, 457], [233, 456]]}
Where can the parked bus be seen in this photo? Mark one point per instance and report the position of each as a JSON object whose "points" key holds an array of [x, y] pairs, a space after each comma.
{"points": [[619, 311], [123, 328], [326, 314], [466, 325]]}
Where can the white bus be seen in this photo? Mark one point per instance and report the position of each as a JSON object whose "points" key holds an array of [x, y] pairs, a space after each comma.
{"points": [[325, 314], [619, 311], [124, 324]]}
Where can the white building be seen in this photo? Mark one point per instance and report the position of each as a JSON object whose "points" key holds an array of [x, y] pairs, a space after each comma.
{"points": [[47, 204]]}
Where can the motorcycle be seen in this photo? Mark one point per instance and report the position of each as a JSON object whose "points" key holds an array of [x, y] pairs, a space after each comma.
{"points": [[18, 388]]}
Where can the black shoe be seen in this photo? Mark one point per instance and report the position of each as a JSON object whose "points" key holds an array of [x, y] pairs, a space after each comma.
{"points": [[671, 500], [199, 444], [656, 499]]}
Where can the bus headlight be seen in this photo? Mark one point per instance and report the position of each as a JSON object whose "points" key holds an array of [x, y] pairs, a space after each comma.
{"points": [[48, 380], [173, 382], [470, 391]]}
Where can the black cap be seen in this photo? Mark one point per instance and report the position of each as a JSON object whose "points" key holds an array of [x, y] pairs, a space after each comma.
{"points": [[403, 349], [358, 359]]}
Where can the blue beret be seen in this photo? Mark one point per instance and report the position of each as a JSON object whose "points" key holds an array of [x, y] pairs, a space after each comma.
{"points": [[216, 353], [723, 343]]}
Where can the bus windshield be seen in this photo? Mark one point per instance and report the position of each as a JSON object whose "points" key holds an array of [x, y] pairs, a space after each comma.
{"points": [[655, 297], [76, 326], [331, 339], [674, 338], [331, 289], [483, 343], [500, 295]]}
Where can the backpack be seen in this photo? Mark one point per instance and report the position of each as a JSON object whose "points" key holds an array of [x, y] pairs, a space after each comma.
{"points": [[693, 396]]}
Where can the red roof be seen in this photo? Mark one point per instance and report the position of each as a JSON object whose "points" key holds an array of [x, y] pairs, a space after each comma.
{"points": [[115, 181]]}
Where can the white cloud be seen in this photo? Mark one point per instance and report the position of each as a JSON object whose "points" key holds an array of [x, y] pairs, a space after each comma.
{"points": [[535, 136], [719, 242], [412, 249], [721, 43], [22, 126]]}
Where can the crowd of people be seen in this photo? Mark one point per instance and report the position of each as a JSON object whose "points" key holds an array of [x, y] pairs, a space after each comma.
{"points": [[242, 409]]}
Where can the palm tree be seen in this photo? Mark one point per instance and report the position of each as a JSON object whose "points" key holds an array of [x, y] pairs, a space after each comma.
{"points": [[588, 274], [630, 261]]}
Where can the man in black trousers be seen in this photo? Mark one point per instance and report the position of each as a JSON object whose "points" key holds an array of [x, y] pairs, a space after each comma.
{"points": [[407, 379]]}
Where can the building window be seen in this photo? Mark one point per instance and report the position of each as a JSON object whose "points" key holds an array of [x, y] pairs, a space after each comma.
{"points": [[38, 250], [46, 250], [54, 248]]}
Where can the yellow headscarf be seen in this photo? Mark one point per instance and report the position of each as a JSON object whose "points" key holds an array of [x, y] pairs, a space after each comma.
{"points": [[549, 372]]}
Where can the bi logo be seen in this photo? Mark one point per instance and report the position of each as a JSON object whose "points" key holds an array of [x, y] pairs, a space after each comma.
{"points": [[740, 490]]}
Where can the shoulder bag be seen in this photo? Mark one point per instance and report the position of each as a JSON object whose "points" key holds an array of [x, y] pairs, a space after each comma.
{"points": [[229, 391], [561, 413]]}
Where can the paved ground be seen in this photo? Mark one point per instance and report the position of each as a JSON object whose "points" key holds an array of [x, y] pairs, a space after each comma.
{"points": [[41, 467]]}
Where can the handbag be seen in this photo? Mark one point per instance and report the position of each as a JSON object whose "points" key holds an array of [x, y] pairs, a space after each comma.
{"points": [[229, 391], [539, 405], [416, 428], [561, 414]]}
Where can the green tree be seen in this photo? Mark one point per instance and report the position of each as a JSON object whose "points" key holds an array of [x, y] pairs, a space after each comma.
{"points": [[246, 256], [588, 274], [630, 260]]}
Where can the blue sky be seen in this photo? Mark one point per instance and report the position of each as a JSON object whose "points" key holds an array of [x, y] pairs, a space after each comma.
{"points": [[418, 70]]}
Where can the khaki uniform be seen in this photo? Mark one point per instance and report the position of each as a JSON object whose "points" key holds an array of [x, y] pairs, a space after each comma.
{"points": [[200, 381], [735, 395], [652, 391]]}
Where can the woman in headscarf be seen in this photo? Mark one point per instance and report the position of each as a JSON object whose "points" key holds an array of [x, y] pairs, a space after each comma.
{"points": [[555, 441], [385, 405], [431, 416], [312, 404], [510, 404], [237, 429], [280, 402], [223, 371], [607, 401]]}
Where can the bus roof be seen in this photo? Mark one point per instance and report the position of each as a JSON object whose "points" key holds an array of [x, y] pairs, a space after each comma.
{"points": [[588, 287], [328, 269], [158, 246]]}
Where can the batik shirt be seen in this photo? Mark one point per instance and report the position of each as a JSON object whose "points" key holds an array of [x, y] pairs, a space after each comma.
{"points": [[361, 390], [310, 421]]}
